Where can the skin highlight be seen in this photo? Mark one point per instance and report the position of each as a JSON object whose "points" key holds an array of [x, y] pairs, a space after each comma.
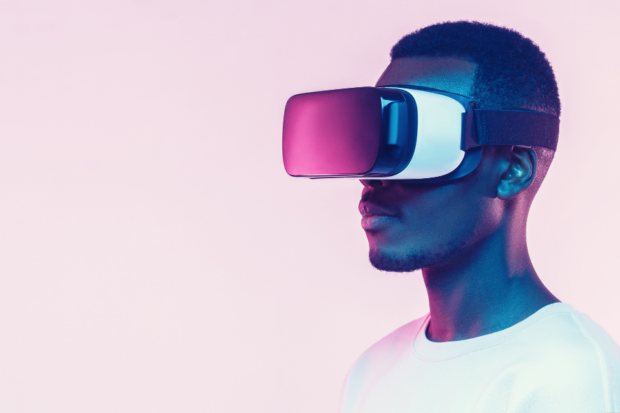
{"points": [[467, 236]]}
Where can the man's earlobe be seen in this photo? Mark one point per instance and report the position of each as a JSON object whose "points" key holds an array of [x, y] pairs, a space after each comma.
{"points": [[519, 173]]}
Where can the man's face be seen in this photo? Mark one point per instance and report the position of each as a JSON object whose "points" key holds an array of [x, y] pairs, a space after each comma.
{"points": [[409, 226]]}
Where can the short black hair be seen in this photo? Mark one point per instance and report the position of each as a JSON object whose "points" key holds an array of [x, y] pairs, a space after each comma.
{"points": [[511, 72]]}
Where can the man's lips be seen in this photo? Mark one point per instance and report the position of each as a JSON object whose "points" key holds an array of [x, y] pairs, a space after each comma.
{"points": [[374, 217], [368, 210]]}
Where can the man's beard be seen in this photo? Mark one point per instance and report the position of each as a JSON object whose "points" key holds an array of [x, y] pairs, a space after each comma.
{"points": [[412, 260]]}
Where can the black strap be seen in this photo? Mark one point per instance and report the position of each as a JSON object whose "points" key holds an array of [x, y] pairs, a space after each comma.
{"points": [[516, 127]]}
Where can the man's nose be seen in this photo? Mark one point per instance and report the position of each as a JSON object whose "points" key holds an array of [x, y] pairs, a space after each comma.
{"points": [[372, 183]]}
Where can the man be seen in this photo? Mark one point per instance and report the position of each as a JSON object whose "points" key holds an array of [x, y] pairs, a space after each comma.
{"points": [[496, 339]]}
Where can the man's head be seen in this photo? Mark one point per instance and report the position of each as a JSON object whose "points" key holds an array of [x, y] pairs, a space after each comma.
{"points": [[411, 226]]}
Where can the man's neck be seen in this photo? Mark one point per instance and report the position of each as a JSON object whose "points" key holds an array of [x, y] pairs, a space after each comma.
{"points": [[486, 288]]}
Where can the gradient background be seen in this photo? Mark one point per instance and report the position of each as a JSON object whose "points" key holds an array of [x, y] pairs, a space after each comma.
{"points": [[154, 255]]}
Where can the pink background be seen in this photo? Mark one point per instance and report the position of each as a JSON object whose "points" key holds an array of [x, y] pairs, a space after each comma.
{"points": [[154, 255]]}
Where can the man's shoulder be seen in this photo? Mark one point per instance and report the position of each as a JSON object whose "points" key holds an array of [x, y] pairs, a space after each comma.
{"points": [[396, 342], [387, 350], [598, 337], [596, 344], [559, 358], [377, 360], [570, 335], [571, 356]]}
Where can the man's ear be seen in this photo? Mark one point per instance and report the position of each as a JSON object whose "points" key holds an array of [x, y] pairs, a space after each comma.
{"points": [[519, 173]]}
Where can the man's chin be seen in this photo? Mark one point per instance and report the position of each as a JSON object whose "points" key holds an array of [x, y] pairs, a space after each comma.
{"points": [[409, 261], [386, 261]]}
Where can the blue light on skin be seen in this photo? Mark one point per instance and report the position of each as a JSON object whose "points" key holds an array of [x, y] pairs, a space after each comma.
{"points": [[468, 236]]}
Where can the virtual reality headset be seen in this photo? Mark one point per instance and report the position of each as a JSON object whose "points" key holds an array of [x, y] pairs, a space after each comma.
{"points": [[400, 132]]}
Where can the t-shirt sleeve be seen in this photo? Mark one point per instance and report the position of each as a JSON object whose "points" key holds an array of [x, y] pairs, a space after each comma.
{"points": [[580, 376]]}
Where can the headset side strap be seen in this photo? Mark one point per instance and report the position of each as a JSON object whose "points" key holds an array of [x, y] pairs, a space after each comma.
{"points": [[468, 128], [516, 127]]}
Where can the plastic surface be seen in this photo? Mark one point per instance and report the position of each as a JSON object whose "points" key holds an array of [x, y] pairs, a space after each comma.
{"points": [[334, 132], [438, 147], [393, 132]]}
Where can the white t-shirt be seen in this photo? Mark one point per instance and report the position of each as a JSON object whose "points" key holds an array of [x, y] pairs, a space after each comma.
{"points": [[556, 361]]}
